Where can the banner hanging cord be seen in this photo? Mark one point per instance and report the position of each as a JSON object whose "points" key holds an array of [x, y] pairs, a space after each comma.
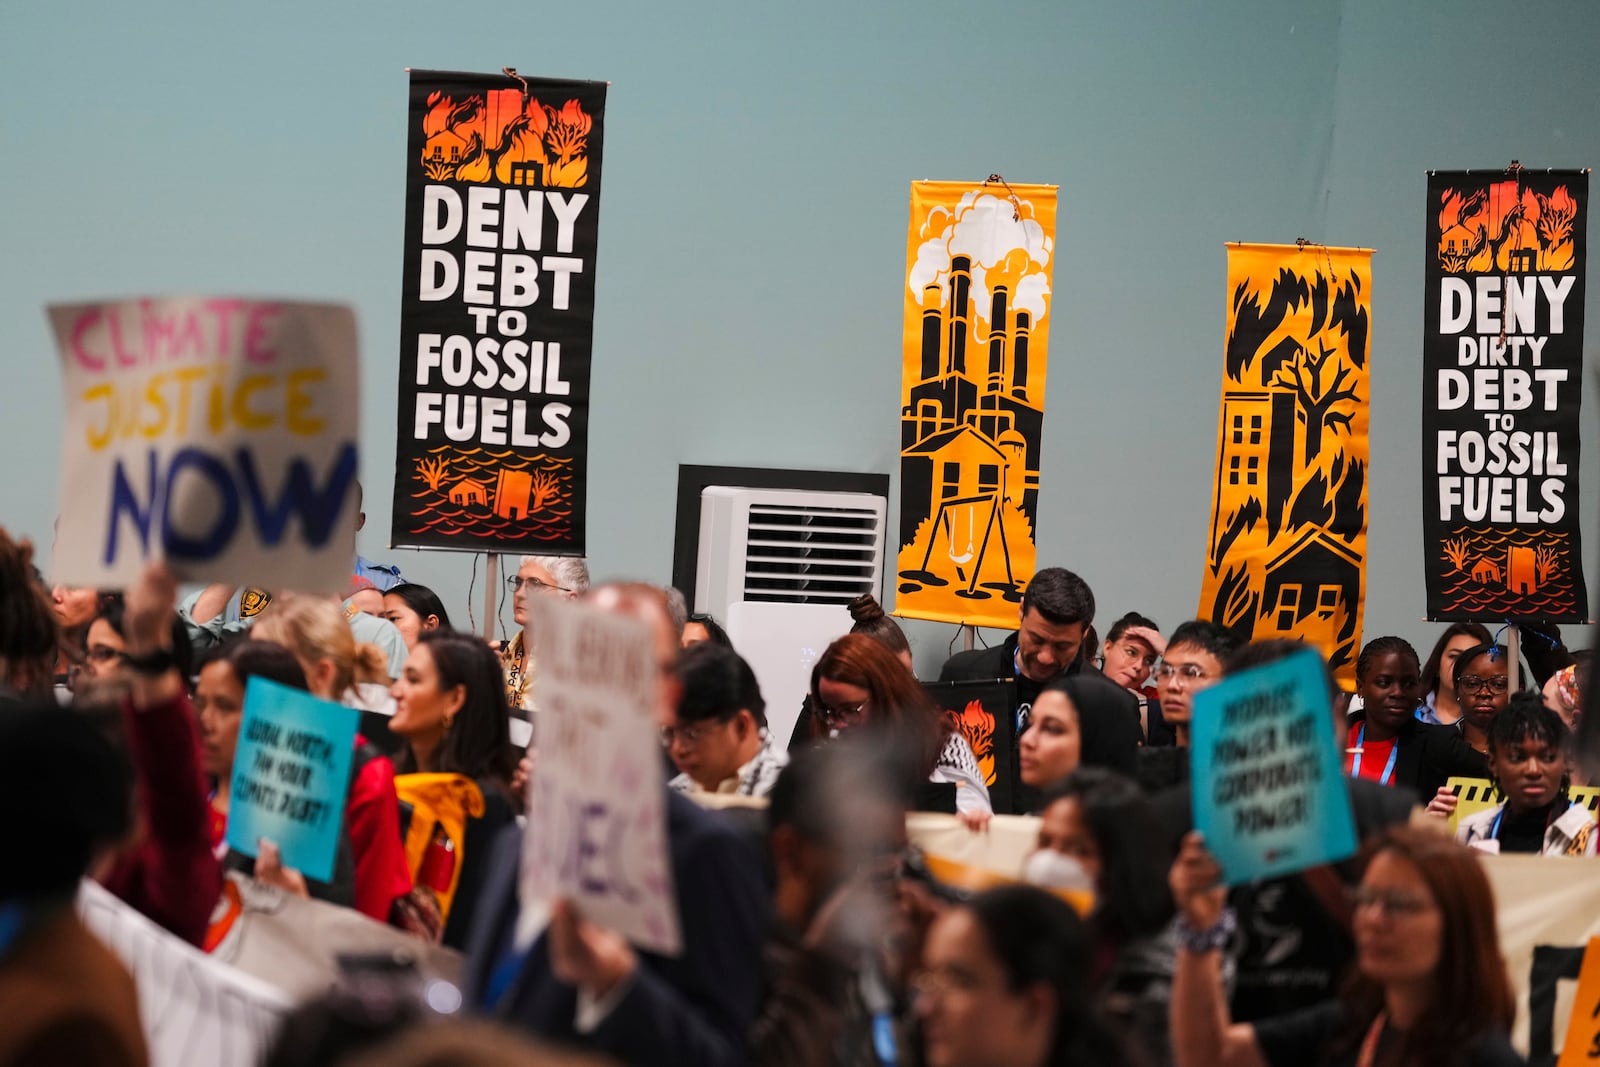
{"points": [[511, 72], [1515, 170], [1327, 257], [472, 623], [1016, 204]]}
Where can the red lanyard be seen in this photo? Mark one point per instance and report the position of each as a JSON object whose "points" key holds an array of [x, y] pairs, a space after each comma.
{"points": [[1369, 1045]]}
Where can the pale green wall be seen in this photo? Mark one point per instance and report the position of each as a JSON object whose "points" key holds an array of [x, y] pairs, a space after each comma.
{"points": [[757, 163]]}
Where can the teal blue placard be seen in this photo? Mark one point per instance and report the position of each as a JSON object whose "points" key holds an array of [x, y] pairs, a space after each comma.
{"points": [[1268, 781], [291, 771]]}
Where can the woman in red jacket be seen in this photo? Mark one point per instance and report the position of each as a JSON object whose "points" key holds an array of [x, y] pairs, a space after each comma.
{"points": [[315, 631]]}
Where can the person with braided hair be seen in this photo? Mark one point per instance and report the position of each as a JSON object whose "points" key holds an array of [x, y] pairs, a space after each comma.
{"points": [[1384, 741], [1530, 764]]}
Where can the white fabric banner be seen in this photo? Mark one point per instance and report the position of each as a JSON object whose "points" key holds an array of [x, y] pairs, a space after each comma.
{"points": [[1548, 907], [196, 1011]]}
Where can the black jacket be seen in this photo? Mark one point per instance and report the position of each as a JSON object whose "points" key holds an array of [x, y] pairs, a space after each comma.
{"points": [[1429, 755], [694, 1010], [1111, 728]]}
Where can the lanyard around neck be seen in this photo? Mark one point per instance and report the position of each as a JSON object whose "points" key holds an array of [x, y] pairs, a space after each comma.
{"points": [[1388, 768]]}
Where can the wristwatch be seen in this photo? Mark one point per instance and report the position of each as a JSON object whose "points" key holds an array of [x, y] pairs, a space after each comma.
{"points": [[152, 663]]}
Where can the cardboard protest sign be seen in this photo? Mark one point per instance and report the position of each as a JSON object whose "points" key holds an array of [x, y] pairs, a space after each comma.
{"points": [[985, 713], [497, 312], [1287, 551], [976, 301], [1502, 349], [196, 1011], [1269, 792], [597, 822], [218, 435], [291, 771]]}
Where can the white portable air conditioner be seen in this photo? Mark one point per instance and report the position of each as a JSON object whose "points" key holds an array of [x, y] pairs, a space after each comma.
{"points": [[777, 567]]}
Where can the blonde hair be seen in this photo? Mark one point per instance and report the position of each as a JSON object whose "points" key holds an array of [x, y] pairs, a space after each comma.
{"points": [[315, 629]]}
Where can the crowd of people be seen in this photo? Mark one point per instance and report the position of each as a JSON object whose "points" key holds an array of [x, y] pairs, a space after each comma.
{"points": [[814, 931]]}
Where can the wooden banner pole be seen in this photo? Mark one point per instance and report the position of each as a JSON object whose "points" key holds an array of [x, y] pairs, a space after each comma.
{"points": [[1513, 657], [491, 587]]}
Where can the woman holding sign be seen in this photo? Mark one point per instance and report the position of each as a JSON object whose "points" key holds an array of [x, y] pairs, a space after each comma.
{"points": [[315, 631], [1528, 760], [1430, 984], [455, 771]]}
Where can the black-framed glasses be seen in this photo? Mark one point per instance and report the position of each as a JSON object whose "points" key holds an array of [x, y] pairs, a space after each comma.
{"points": [[517, 581], [1471, 683]]}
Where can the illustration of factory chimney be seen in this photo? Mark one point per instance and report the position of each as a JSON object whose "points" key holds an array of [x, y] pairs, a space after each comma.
{"points": [[960, 284], [997, 342], [932, 330], [1019, 356]]}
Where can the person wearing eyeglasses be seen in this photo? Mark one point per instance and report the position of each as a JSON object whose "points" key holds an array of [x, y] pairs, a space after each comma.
{"points": [[1192, 662], [1483, 686], [1430, 981], [1530, 765], [566, 576], [717, 736], [858, 684]]}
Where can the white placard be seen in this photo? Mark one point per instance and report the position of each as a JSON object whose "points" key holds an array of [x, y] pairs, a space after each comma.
{"points": [[597, 820], [218, 435]]}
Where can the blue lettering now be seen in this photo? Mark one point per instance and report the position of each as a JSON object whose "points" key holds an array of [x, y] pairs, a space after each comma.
{"points": [[149, 505], [124, 499], [318, 509], [179, 545]]}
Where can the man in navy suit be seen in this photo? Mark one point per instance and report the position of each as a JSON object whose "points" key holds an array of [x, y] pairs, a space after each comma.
{"points": [[584, 984]]}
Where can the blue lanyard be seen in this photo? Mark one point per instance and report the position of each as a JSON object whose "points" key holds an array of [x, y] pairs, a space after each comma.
{"points": [[1388, 768]]}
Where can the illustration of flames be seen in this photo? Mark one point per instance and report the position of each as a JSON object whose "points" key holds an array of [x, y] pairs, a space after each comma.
{"points": [[497, 136], [1481, 228]]}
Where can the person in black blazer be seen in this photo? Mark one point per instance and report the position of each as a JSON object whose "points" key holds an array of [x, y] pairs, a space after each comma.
{"points": [[583, 984], [1386, 743], [693, 1009]]}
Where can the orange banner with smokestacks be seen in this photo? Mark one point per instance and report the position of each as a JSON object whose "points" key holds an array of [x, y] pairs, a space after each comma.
{"points": [[979, 257], [1287, 551]]}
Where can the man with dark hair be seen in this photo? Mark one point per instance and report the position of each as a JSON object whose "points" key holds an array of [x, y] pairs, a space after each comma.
{"points": [[717, 736], [1057, 611], [837, 829]]}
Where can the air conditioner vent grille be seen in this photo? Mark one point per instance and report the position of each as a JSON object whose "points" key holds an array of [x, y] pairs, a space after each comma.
{"points": [[790, 546]]}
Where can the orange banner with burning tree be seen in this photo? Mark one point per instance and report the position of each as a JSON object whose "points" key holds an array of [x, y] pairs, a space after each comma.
{"points": [[977, 324], [1286, 555]]}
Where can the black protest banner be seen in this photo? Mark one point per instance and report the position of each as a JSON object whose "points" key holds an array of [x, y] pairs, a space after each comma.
{"points": [[497, 313], [985, 712], [1502, 378]]}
